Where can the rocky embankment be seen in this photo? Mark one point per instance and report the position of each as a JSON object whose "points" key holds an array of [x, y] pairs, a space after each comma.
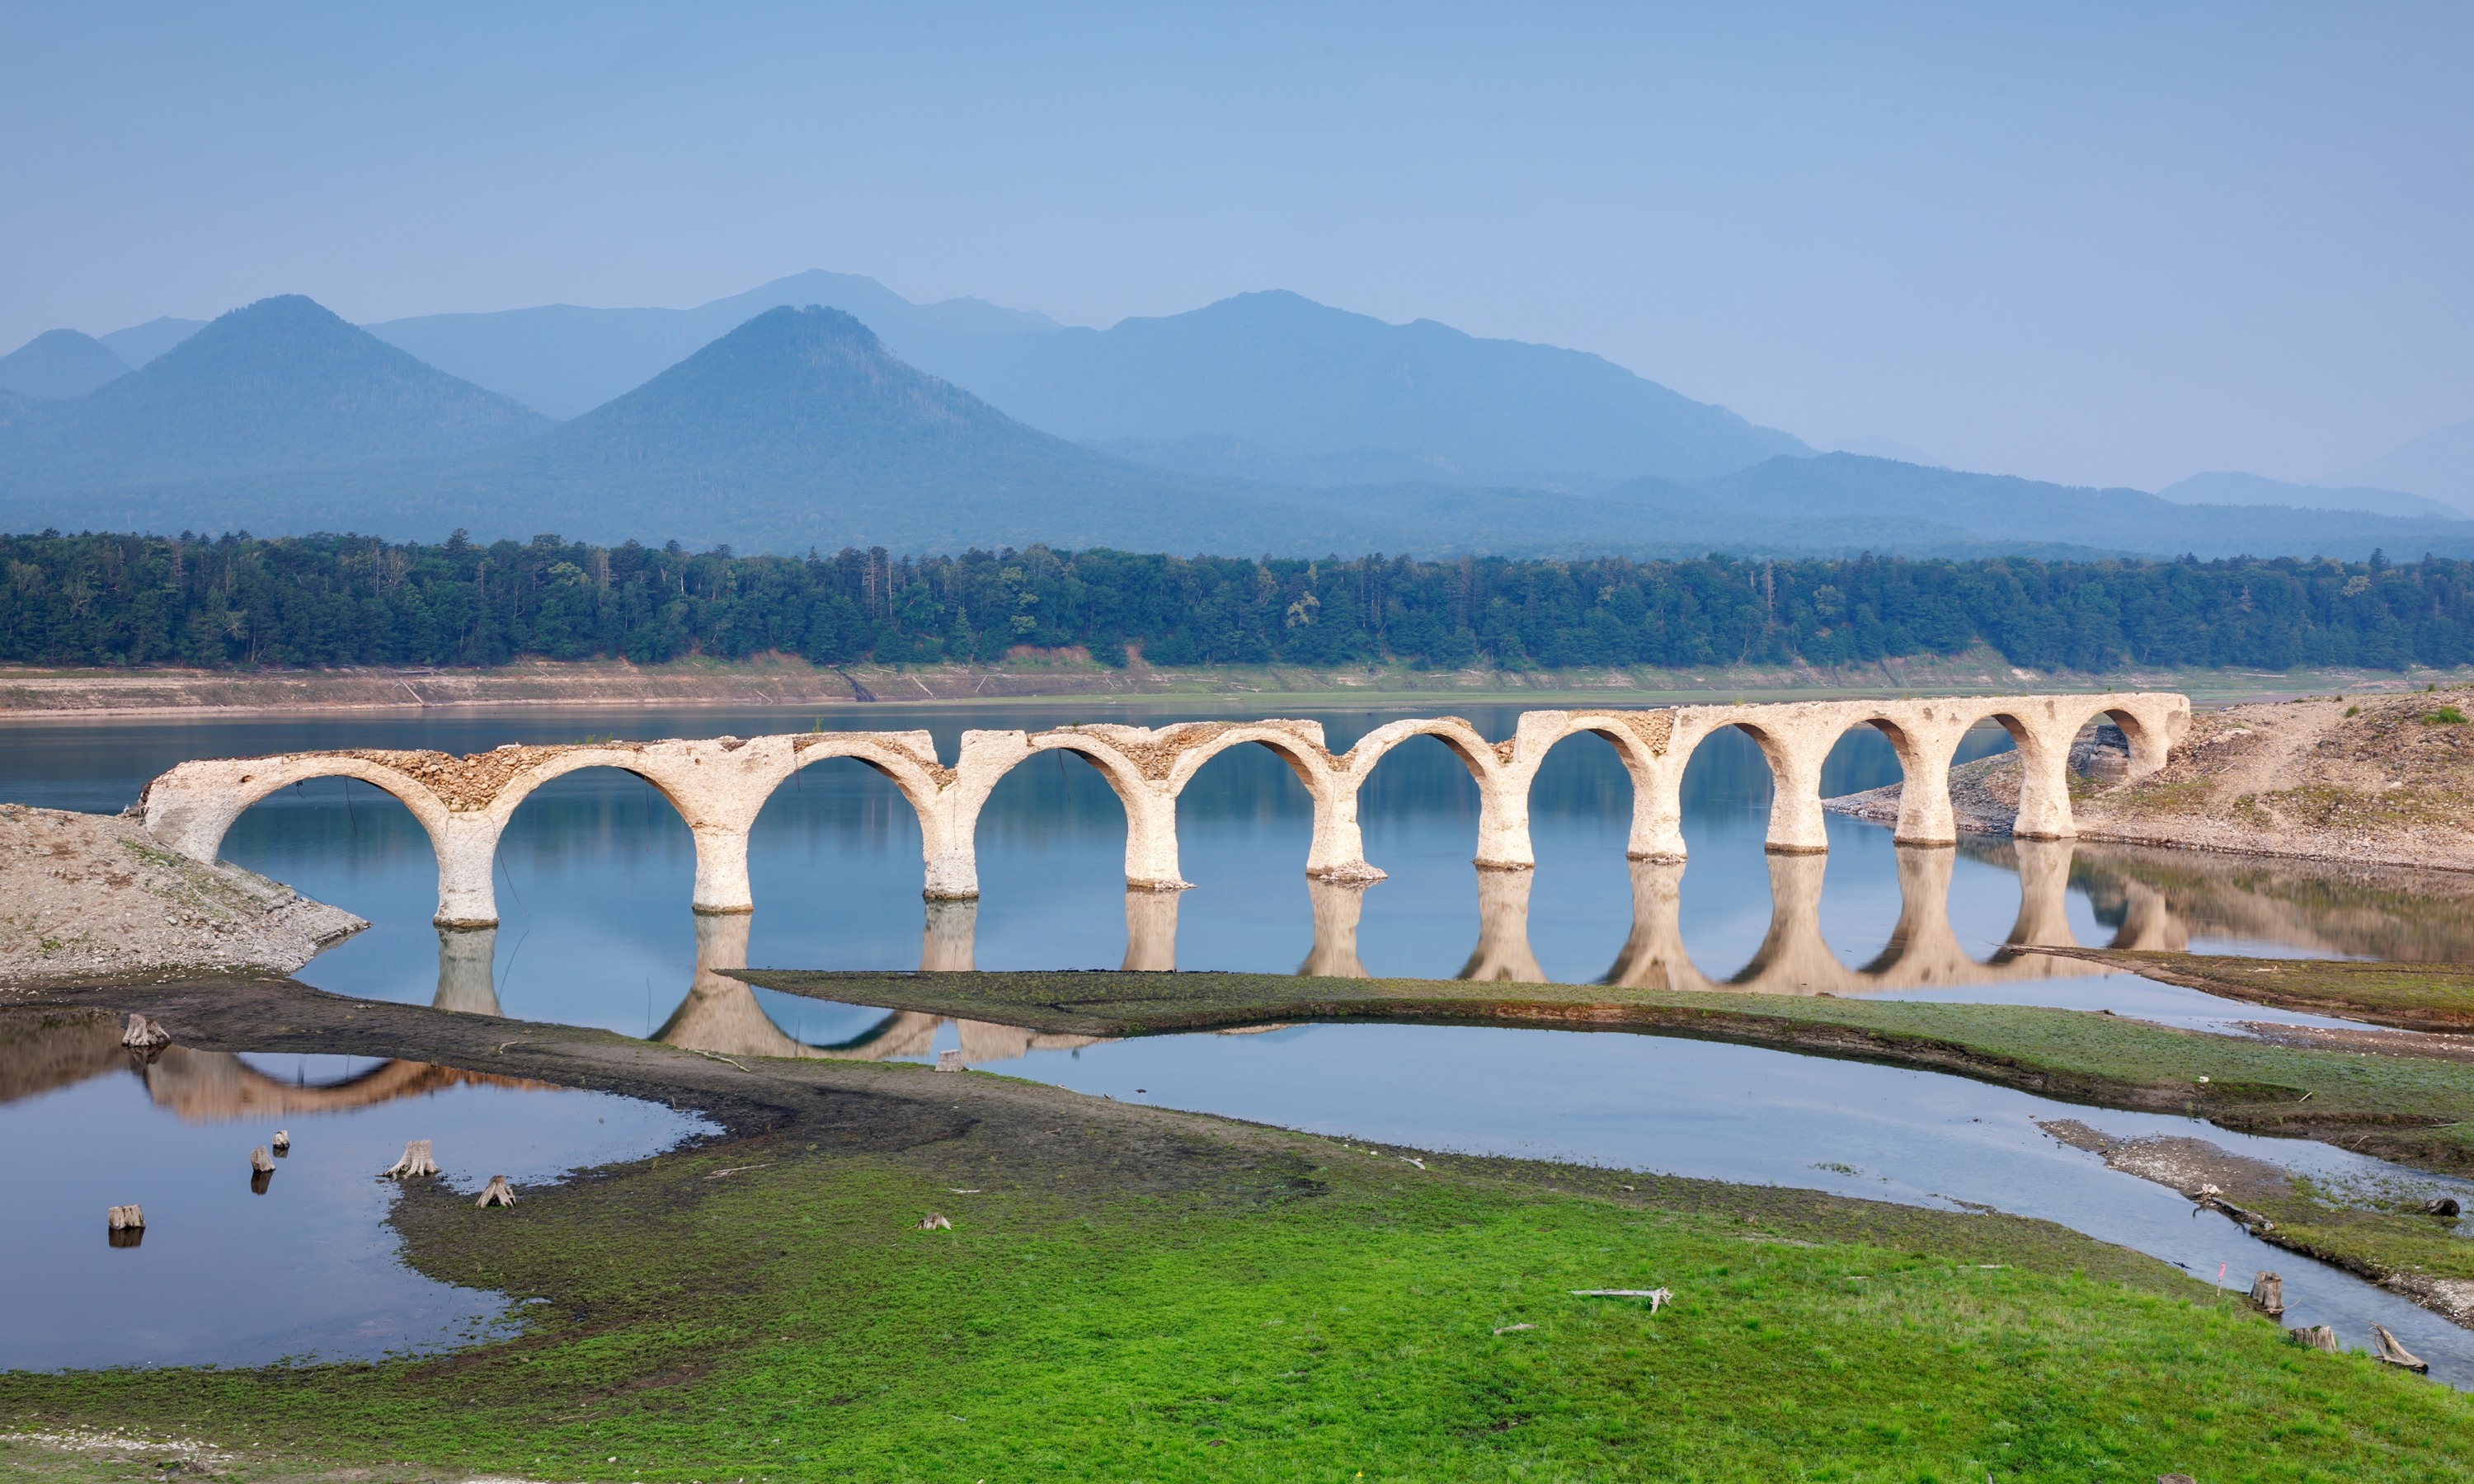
{"points": [[85, 896], [2375, 780]]}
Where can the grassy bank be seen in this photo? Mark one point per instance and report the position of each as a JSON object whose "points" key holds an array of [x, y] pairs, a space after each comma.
{"points": [[2417, 1112], [1129, 1293], [2416, 996]]}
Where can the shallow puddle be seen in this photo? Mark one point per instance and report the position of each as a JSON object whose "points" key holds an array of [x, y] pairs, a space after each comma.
{"points": [[227, 1274]]}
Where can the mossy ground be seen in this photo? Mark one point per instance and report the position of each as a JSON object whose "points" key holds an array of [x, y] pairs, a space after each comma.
{"points": [[1130, 1293], [1154, 1304], [2415, 995]]}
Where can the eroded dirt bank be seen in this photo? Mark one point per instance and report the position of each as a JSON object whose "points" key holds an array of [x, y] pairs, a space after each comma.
{"points": [[91, 894]]}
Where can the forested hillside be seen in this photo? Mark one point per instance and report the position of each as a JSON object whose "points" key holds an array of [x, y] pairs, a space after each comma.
{"points": [[123, 600]]}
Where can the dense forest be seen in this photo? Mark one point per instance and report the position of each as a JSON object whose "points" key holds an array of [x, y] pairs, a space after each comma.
{"points": [[343, 599]]}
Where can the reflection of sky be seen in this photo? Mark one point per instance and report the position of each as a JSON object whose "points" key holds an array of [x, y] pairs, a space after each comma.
{"points": [[228, 1276]]}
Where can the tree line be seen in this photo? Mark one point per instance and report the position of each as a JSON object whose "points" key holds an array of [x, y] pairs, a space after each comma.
{"points": [[235, 602]]}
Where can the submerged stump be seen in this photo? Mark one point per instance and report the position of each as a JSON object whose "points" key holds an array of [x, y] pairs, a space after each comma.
{"points": [[141, 1033], [283, 1143], [497, 1193], [417, 1161], [124, 1226]]}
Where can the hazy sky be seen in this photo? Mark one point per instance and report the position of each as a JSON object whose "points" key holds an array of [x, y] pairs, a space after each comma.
{"points": [[2103, 243]]}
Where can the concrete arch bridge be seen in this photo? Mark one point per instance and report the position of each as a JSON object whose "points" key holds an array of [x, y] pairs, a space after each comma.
{"points": [[718, 785]]}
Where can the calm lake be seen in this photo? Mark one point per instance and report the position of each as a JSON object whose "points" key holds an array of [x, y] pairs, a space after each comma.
{"points": [[595, 930]]}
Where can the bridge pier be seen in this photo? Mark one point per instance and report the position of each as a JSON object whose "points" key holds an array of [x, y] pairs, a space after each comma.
{"points": [[468, 858]]}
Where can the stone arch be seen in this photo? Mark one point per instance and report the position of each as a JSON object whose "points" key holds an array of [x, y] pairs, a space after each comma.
{"points": [[1647, 745], [906, 759], [1135, 765], [1794, 755], [1336, 848], [483, 830], [192, 807], [1502, 782]]}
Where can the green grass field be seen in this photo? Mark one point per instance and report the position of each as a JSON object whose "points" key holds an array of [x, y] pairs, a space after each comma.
{"points": [[1164, 1307]]}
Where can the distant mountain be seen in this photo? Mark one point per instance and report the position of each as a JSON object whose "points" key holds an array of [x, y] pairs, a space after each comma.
{"points": [[2436, 466], [279, 384], [2258, 490], [563, 360], [801, 428], [1339, 396], [797, 429], [140, 343], [59, 363], [1845, 501], [1304, 380]]}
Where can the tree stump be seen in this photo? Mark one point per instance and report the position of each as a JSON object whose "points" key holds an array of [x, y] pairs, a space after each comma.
{"points": [[2442, 1206], [932, 1222], [497, 1193], [282, 1144], [141, 1033], [416, 1161], [2267, 1291], [2385, 1350], [2317, 1337], [949, 1060]]}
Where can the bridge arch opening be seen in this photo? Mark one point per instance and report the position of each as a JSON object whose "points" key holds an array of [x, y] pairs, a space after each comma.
{"points": [[606, 835], [1050, 846], [1246, 831], [838, 842]]}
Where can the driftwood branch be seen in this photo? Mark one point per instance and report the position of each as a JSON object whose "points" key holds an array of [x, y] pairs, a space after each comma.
{"points": [[2385, 1350], [417, 1161]]}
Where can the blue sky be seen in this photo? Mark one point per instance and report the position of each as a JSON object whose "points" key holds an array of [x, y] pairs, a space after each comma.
{"points": [[2102, 243]]}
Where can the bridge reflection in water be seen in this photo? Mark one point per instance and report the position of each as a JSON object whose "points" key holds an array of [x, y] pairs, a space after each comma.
{"points": [[725, 1016]]}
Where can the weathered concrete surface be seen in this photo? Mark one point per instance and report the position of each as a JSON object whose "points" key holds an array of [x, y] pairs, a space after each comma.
{"points": [[719, 785]]}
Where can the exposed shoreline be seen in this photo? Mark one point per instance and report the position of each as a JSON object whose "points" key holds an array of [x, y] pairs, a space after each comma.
{"points": [[35, 694]]}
